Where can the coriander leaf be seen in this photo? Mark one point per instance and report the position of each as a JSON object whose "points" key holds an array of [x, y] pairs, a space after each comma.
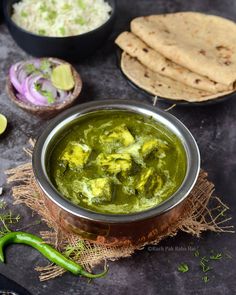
{"points": [[80, 21], [24, 14], [51, 15], [183, 267], [196, 253], [45, 65], [43, 8], [81, 4], [30, 68], [203, 264], [2, 204], [205, 279], [5, 220], [62, 31], [42, 32], [37, 87], [67, 6], [47, 94], [217, 256]]}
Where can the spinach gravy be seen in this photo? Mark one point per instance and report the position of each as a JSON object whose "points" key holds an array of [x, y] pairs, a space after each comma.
{"points": [[117, 162]]}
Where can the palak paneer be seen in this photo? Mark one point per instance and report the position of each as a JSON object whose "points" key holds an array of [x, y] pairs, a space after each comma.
{"points": [[117, 162]]}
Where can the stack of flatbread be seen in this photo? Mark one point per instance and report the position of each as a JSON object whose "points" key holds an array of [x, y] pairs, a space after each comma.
{"points": [[182, 56]]}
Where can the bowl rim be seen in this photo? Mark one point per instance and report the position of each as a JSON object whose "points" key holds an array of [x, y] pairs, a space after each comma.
{"points": [[7, 16], [39, 152]]}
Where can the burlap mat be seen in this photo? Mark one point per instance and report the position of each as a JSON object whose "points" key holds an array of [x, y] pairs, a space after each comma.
{"points": [[204, 212]]}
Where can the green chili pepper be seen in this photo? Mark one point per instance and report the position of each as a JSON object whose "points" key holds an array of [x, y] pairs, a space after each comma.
{"points": [[49, 252]]}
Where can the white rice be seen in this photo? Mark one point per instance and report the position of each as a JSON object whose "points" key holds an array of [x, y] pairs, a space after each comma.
{"points": [[60, 18]]}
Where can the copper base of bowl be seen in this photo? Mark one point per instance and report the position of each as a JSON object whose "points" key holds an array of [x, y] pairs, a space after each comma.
{"points": [[117, 234]]}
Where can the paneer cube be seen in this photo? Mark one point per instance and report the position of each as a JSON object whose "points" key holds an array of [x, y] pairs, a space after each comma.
{"points": [[149, 182], [114, 163], [95, 190], [155, 144], [76, 155], [145, 180], [118, 134], [100, 189], [149, 146]]}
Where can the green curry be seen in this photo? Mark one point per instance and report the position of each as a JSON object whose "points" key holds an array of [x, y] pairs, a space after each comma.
{"points": [[117, 162]]}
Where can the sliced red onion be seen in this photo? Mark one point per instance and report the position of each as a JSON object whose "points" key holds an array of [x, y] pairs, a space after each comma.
{"points": [[47, 85], [21, 74], [36, 62], [25, 83], [30, 92], [21, 97], [62, 95], [14, 71]]}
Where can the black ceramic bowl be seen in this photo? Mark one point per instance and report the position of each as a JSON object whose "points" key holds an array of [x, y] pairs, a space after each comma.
{"points": [[69, 48], [1, 10]]}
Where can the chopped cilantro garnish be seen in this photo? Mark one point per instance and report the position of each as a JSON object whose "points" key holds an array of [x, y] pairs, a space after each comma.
{"points": [[42, 32], [67, 6], [47, 94], [80, 21], [52, 14], [45, 65], [30, 68], [43, 8], [62, 31], [24, 14], [183, 267], [81, 4]]}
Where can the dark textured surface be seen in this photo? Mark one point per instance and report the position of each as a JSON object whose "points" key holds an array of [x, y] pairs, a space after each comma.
{"points": [[151, 271]]}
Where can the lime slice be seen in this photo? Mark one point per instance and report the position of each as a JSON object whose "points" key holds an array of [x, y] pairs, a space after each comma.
{"points": [[62, 77], [3, 123]]}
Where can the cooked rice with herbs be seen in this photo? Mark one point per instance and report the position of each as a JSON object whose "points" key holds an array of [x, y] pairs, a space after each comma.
{"points": [[60, 18]]}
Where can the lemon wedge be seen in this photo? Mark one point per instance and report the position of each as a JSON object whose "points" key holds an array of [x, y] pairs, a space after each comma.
{"points": [[62, 77], [3, 123]]}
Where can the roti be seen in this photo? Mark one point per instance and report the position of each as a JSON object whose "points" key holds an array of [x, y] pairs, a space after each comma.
{"points": [[152, 59], [203, 44], [160, 85]]}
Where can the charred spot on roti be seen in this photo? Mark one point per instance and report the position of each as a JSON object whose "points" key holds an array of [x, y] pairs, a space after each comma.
{"points": [[202, 51], [145, 49], [146, 75], [197, 81], [224, 53], [221, 47], [227, 62], [160, 85], [163, 69]]}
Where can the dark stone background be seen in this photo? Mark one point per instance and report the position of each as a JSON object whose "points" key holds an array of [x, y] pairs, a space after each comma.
{"points": [[148, 271]]}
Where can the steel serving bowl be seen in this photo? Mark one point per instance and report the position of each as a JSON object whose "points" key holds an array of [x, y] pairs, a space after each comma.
{"points": [[110, 229], [72, 48]]}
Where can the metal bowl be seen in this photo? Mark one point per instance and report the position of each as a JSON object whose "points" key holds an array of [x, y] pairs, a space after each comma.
{"points": [[114, 229]]}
